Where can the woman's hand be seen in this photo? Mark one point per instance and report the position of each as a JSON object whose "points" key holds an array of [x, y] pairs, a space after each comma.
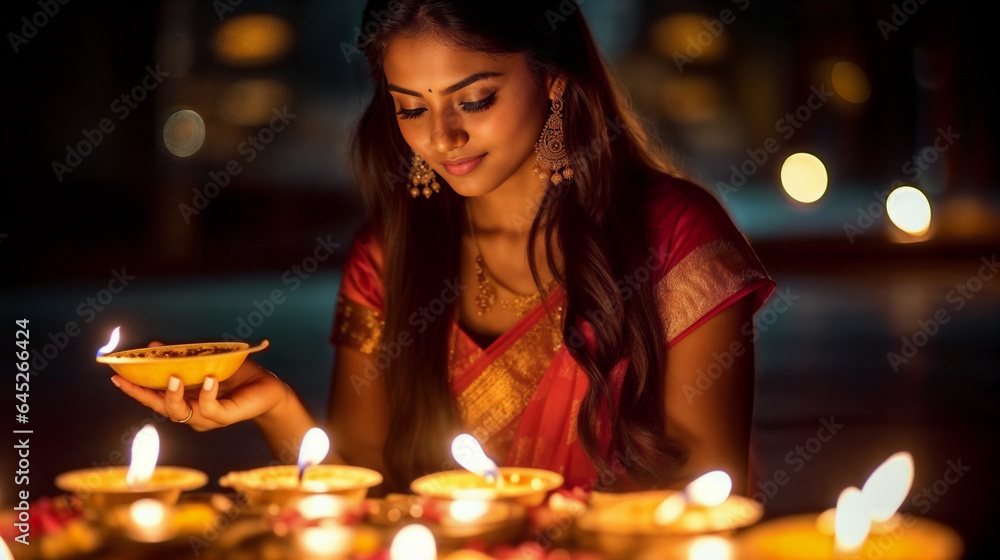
{"points": [[251, 392]]}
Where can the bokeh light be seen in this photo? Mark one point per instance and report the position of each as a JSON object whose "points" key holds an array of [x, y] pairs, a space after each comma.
{"points": [[253, 40], [909, 210], [804, 177], [184, 133], [710, 548], [689, 37], [850, 82]]}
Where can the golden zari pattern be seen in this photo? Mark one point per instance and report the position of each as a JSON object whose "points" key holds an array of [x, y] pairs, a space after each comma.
{"points": [[357, 326], [701, 281], [501, 392]]}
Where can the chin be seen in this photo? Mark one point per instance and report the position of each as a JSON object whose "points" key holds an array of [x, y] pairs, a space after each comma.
{"points": [[472, 189]]}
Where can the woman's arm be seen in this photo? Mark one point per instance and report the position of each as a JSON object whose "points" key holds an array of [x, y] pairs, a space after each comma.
{"points": [[709, 394], [359, 410]]}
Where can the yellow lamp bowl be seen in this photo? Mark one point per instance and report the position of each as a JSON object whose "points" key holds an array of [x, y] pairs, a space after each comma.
{"points": [[152, 367], [280, 485], [526, 486], [104, 487], [622, 525]]}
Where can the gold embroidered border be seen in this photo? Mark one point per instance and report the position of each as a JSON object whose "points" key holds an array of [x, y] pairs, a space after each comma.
{"points": [[357, 326], [503, 390], [701, 281]]}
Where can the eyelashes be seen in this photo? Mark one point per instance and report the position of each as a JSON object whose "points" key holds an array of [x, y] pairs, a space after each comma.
{"points": [[469, 107], [481, 105]]}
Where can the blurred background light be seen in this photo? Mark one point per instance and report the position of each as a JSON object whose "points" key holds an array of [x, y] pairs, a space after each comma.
{"points": [[184, 133], [804, 177], [251, 102], [850, 82], [690, 99], [253, 40], [909, 210], [691, 36]]}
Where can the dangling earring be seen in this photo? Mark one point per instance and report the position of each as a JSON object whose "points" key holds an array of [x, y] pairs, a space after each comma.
{"points": [[422, 174], [551, 147]]}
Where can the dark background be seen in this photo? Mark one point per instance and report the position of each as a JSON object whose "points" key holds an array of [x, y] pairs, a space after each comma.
{"points": [[860, 296]]}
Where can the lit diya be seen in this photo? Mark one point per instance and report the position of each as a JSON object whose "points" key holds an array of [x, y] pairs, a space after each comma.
{"points": [[483, 480], [863, 525], [623, 525], [152, 367], [103, 487], [283, 485]]}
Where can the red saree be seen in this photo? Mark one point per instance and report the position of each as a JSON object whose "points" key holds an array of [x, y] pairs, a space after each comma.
{"points": [[520, 395]]}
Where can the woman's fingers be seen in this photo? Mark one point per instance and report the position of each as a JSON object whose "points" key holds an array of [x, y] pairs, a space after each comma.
{"points": [[177, 409]]}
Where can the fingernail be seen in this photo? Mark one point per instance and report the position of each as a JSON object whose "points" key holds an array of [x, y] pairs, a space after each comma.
{"points": [[173, 383], [117, 384], [209, 383]]}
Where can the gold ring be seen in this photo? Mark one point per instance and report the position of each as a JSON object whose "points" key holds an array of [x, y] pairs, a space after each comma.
{"points": [[190, 414]]}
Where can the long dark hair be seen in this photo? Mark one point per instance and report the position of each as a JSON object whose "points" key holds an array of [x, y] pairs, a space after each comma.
{"points": [[595, 220]]}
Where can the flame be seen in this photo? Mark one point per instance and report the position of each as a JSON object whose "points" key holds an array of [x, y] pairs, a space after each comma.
{"points": [[467, 511], [112, 344], [709, 489], [889, 484], [670, 509], [710, 548], [314, 448], [852, 520], [470, 455], [145, 451], [413, 542]]}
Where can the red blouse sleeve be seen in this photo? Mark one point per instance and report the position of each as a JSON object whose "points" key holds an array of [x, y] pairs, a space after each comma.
{"points": [[358, 320], [705, 262]]}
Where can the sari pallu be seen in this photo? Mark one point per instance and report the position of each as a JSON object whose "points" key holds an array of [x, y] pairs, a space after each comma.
{"points": [[520, 396]]}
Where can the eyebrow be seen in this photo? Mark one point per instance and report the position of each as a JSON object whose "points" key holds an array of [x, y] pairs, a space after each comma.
{"points": [[450, 89]]}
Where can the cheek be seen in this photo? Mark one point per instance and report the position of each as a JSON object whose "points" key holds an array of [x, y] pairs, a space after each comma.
{"points": [[510, 127], [410, 132]]}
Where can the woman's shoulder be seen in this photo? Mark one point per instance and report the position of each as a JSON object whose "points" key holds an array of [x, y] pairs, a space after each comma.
{"points": [[682, 216], [363, 268]]}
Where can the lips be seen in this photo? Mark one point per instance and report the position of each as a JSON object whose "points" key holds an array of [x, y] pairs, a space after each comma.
{"points": [[461, 166]]}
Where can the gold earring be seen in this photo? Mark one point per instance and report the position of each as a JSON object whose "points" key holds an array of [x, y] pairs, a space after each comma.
{"points": [[551, 147], [422, 174]]}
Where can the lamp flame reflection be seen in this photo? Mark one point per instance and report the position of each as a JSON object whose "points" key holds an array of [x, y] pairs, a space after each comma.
{"points": [[710, 548], [112, 343], [467, 511], [145, 452], [413, 542]]}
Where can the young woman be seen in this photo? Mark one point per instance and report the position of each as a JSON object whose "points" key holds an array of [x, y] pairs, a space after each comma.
{"points": [[533, 273]]}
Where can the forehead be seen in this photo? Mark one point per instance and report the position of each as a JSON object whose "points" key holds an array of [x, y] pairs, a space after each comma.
{"points": [[431, 62]]}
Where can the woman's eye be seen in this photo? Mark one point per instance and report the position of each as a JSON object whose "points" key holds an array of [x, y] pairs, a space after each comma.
{"points": [[409, 113], [481, 105]]}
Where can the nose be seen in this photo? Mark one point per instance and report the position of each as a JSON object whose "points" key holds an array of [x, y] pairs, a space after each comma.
{"points": [[448, 132]]}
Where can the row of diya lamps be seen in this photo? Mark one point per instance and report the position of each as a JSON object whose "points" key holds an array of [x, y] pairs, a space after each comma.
{"points": [[323, 508], [319, 511]]}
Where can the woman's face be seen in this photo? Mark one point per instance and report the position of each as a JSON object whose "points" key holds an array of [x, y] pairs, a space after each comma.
{"points": [[472, 116]]}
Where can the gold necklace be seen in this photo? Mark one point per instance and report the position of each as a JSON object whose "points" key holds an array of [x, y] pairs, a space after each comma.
{"points": [[487, 296]]}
